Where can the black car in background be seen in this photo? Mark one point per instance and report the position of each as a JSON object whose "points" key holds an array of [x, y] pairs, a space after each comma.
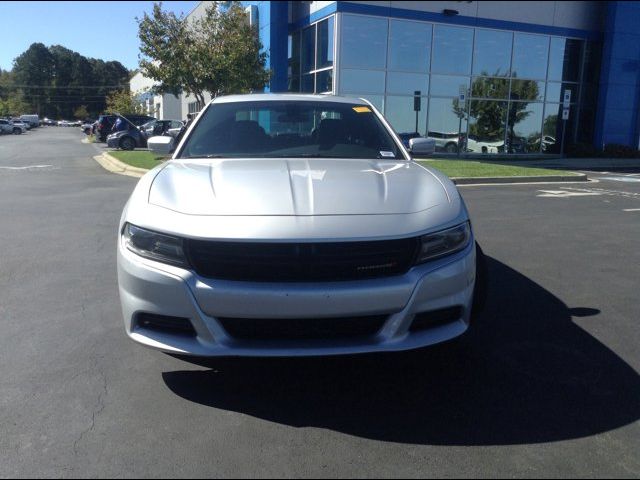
{"points": [[106, 124]]}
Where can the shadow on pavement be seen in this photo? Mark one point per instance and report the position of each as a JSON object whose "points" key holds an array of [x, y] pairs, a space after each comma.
{"points": [[525, 374]]}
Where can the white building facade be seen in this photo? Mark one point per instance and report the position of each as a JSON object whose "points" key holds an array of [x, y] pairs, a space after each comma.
{"points": [[162, 107]]}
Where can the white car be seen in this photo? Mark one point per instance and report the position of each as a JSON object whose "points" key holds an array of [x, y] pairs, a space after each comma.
{"points": [[19, 123], [476, 145], [7, 126], [295, 225]]}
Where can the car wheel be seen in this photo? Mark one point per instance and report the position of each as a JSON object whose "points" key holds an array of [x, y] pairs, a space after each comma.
{"points": [[127, 143], [17, 131], [482, 280], [451, 148]]}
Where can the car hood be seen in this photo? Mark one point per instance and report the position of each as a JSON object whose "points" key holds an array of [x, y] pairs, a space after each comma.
{"points": [[287, 187]]}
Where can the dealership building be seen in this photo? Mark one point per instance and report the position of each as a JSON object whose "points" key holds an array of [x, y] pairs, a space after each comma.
{"points": [[494, 76]]}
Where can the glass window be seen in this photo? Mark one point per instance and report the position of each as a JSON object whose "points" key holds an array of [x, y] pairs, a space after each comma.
{"points": [[589, 95], [293, 83], [593, 55], [308, 48], [407, 83], [492, 53], [367, 81], [307, 85], [487, 122], [452, 50], [364, 42], [482, 87], [525, 127], [409, 46], [551, 128], [530, 53], [444, 121], [290, 128], [527, 90], [564, 59], [448, 85], [293, 51], [324, 81], [555, 91], [325, 43], [399, 111]]}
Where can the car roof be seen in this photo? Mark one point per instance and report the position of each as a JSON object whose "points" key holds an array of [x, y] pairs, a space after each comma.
{"points": [[261, 97]]}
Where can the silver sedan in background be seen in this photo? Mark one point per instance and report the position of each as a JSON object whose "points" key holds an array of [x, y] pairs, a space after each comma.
{"points": [[292, 225]]}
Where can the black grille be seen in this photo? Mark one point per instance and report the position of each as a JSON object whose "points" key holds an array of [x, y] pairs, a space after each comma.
{"points": [[435, 318], [301, 262], [302, 329], [164, 323]]}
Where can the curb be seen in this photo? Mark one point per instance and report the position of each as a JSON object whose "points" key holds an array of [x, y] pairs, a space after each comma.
{"points": [[114, 165], [501, 180]]}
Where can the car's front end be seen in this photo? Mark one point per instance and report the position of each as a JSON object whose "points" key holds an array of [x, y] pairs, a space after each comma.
{"points": [[286, 256]]}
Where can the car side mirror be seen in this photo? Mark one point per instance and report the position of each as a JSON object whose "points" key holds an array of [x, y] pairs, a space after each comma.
{"points": [[422, 146], [161, 145]]}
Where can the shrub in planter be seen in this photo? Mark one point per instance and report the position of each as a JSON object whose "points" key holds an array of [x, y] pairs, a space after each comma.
{"points": [[620, 151], [581, 150]]}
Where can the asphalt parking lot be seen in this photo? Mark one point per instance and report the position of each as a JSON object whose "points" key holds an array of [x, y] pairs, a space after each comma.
{"points": [[546, 385]]}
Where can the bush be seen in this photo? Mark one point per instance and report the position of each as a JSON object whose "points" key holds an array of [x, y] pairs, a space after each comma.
{"points": [[581, 150], [612, 150], [616, 150]]}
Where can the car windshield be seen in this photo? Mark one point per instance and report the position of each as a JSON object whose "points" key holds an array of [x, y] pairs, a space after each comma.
{"points": [[290, 128]]}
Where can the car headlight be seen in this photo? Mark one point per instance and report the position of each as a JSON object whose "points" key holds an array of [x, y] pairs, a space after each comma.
{"points": [[446, 242], [155, 246]]}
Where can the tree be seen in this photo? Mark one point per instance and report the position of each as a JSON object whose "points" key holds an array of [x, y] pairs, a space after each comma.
{"points": [[34, 68], [122, 101], [81, 112], [219, 53], [489, 114]]}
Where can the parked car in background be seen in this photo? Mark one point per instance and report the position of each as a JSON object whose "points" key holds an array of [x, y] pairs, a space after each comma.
{"points": [[19, 123], [161, 127], [87, 126], [475, 144], [445, 141], [7, 126], [128, 139], [128, 133], [107, 124], [48, 122], [103, 126], [32, 120]]}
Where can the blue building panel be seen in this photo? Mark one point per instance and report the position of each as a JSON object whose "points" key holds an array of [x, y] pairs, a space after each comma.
{"points": [[619, 98]]}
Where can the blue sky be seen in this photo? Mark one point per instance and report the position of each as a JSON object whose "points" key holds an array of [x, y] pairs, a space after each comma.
{"points": [[105, 30]]}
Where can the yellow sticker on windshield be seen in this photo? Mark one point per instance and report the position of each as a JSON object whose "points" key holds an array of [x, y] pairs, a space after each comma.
{"points": [[362, 109]]}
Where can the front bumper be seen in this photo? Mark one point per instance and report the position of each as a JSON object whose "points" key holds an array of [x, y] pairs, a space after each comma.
{"points": [[151, 287], [113, 142]]}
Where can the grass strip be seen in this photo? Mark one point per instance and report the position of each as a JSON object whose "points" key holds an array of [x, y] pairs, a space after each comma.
{"points": [[139, 158], [475, 169]]}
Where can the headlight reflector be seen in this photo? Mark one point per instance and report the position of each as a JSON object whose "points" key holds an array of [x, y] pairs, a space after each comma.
{"points": [[446, 242], [155, 246]]}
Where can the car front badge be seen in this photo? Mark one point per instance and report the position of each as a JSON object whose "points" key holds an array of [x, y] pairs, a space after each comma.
{"points": [[384, 153]]}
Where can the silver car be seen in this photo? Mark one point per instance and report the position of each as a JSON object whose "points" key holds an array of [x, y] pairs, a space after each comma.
{"points": [[294, 225]]}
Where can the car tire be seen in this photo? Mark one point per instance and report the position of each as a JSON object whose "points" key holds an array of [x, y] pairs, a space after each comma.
{"points": [[451, 148], [127, 143], [17, 131], [481, 290]]}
